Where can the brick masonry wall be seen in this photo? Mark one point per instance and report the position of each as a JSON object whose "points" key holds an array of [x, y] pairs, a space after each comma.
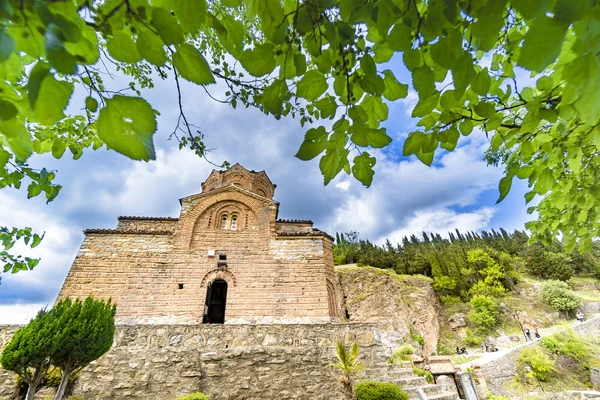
{"points": [[225, 361], [157, 271]]}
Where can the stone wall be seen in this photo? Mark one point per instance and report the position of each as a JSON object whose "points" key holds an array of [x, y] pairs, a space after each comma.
{"points": [[499, 372], [240, 362]]}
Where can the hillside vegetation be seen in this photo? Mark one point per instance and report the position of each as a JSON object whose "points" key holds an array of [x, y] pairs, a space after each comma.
{"points": [[487, 276]]}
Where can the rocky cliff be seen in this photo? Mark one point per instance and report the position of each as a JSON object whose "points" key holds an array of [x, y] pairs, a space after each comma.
{"points": [[404, 306]]}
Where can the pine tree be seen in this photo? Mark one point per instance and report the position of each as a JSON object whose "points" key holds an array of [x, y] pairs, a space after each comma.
{"points": [[28, 352], [86, 332]]}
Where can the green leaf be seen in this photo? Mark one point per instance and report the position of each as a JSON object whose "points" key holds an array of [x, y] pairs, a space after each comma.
{"points": [[426, 158], [191, 14], [191, 65], [166, 25], [425, 106], [17, 138], [466, 127], [314, 144], [485, 110], [542, 44], [126, 125], [531, 8], [378, 138], [7, 110], [362, 169], [451, 139], [7, 45], [150, 46], [273, 97], [394, 90], [328, 106], [332, 163], [481, 83], [259, 61], [52, 98], [36, 76], [57, 54], [504, 187], [312, 85], [423, 81], [122, 48], [91, 104], [463, 73], [400, 38], [413, 143]]}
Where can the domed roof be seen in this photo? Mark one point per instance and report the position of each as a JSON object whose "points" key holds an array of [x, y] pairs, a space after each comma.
{"points": [[252, 181]]}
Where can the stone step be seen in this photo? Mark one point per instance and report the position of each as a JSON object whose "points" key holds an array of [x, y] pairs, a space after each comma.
{"points": [[429, 390], [412, 382], [443, 396]]}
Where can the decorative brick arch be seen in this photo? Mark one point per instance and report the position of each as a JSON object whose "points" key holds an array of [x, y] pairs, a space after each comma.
{"points": [[216, 274], [331, 299], [264, 210]]}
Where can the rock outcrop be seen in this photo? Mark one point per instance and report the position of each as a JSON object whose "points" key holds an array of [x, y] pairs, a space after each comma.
{"points": [[404, 306]]}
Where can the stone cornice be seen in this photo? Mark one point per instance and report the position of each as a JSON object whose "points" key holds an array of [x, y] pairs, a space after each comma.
{"points": [[135, 218], [295, 221], [313, 233], [128, 231]]}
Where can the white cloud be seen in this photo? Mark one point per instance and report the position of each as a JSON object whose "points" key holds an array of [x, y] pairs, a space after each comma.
{"points": [[19, 314]]}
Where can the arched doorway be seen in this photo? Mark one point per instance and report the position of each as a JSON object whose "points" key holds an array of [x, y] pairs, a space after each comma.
{"points": [[216, 298]]}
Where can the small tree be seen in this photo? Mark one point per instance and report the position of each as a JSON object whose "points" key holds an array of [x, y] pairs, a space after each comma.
{"points": [[28, 352], [87, 330], [484, 312], [348, 364]]}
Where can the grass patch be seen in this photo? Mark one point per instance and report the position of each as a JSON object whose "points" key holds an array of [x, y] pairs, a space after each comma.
{"points": [[463, 359]]}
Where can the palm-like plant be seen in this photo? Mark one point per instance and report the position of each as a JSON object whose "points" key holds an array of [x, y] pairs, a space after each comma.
{"points": [[348, 364]]}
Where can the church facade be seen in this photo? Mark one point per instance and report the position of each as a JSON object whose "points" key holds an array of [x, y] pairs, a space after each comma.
{"points": [[225, 259]]}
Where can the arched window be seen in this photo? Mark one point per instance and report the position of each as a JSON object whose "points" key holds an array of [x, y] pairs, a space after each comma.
{"points": [[234, 222], [224, 222]]}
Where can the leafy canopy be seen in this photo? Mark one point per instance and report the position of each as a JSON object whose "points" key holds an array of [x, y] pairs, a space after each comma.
{"points": [[322, 61]]}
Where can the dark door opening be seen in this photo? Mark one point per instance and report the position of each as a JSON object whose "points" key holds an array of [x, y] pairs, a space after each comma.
{"points": [[216, 297]]}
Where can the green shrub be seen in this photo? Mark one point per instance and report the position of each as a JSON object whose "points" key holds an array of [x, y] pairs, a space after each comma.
{"points": [[569, 344], [75, 398], [549, 265], [559, 296], [473, 339], [542, 367], [370, 390], [193, 396], [402, 353], [421, 372], [496, 397], [484, 312]]}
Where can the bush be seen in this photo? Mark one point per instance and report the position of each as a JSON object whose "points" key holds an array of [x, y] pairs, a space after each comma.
{"points": [[484, 312], [569, 344], [559, 296], [369, 390], [549, 265], [473, 339], [193, 396], [542, 367], [402, 353], [496, 397], [421, 372]]}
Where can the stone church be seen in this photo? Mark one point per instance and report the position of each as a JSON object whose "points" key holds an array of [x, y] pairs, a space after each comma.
{"points": [[227, 259]]}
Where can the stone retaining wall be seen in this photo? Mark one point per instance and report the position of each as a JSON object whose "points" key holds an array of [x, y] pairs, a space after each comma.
{"points": [[225, 361], [500, 371]]}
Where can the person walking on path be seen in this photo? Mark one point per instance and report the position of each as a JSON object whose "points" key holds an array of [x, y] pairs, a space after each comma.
{"points": [[536, 333], [528, 333]]}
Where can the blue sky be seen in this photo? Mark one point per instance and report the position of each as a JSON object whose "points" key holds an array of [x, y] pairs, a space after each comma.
{"points": [[406, 197]]}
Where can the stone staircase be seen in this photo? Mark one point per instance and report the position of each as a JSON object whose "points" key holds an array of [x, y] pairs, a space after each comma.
{"points": [[408, 381]]}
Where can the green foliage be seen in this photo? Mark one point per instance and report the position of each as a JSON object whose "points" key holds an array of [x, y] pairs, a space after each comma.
{"points": [[417, 338], [331, 55], [541, 366], [69, 337], [29, 350], [402, 353], [193, 396], [484, 312], [370, 390], [474, 338], [422, 372], [86, 332], [8, 238], [496, 397], [559, 296], [347, 362], [549, 265], [568, 343]]}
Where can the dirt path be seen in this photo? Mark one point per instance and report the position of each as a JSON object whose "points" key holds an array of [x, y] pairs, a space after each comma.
{"points": [[487, 357]]}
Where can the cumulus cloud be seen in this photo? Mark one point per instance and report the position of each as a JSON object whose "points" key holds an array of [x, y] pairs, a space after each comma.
{"points": [[406, 196]]}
